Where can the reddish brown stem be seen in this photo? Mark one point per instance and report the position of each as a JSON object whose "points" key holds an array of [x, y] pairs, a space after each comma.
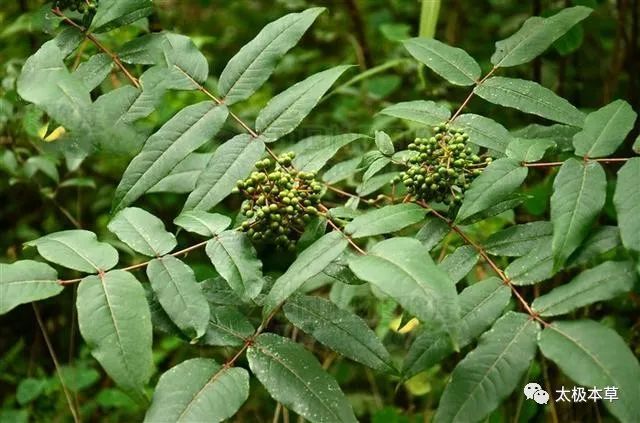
{"points": [[114, 57]]}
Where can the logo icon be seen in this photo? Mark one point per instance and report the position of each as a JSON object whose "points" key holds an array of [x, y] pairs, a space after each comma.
{"points": [[535, 392]]}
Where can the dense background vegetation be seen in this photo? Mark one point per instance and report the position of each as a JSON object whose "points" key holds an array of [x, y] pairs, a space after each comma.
{"points": [[42, 192]]}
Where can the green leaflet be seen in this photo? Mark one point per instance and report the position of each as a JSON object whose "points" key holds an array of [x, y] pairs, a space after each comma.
{"points": [[46, 82], [231, 162], [459, 263], [314, 152], [385, 220], [579, 192], [235, 260], [529, 97], [533, 267], [309, 263], [375, 183], [500, 179], [562, 135], [402, 268], [293, 376], [518, 240], [180, 65], [594, 355], [602, 240], [113, 115], [627, 201], [491, 371], [480, 305], [112, 14], [227, 327], [284, 112], [177, 290], [76, 249], [604, 130], [535, 36], [384, 143], [198, 390], [182, 179], [25, 281], [484, 132], [340, 330], [114, 320], [184, 133], [341, 171], [453, 64], [432, 232], [256, 60], [600, 283], [142, 231], [529, 150], [203, 223], [421, 111], [93, 71]]}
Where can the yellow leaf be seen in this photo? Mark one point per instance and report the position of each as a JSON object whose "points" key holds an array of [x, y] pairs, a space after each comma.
{"points": [[55, 134], [419, 384], [42, 132]]}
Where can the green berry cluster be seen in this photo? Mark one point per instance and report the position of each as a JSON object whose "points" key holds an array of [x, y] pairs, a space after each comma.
{"points": [[279, 201], [442, 167], [81, 6]]}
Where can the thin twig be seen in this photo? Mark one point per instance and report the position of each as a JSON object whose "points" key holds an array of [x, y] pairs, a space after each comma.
{"points": [[74, 413], [471, 94], [488, 260], [114, 57]]}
